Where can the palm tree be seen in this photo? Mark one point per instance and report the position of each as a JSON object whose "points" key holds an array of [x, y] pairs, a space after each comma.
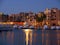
{"points": [[40, 17]]}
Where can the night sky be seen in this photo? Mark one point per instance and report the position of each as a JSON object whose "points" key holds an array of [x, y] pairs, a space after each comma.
{"points": [[17, 6]]}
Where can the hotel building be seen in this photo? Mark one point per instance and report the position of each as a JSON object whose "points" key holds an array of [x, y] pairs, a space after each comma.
{"points": [[52, 16]]}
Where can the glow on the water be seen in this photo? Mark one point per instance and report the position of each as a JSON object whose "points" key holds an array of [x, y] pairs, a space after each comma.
{"points": [[28, 33]]}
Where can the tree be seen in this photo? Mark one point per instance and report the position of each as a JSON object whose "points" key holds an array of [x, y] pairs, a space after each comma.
{"points": [[40, 17]]}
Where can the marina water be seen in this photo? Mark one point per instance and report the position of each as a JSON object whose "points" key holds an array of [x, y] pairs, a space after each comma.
{"points": [[30, 37]]}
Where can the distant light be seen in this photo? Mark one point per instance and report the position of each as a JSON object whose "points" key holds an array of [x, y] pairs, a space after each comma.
{"points": [[6, 22], [11, 22], [27, 30]]}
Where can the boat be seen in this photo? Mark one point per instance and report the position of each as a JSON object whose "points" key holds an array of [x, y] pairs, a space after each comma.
{"points": [[45, 27], [5, 27], [27, 26], [15, 26], [53, 27], [58, 27], [20, 27]]}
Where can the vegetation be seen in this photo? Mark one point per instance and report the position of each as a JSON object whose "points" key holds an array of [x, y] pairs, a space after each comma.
{"points": [[40, 17]]}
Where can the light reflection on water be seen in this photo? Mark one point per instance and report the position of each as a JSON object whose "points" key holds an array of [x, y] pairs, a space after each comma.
{"points": [[31, 37], [28, 37]]}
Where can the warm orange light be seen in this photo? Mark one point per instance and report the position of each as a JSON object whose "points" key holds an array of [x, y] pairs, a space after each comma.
{"points": [[27, 32], [11, 22], [6, 22]]}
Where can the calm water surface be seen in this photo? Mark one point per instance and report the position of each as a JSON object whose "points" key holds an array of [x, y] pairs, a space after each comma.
{"points": [[32, 37]]}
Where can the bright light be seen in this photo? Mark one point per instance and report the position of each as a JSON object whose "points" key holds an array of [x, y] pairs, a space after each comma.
{"points": [[24, 23], [28, 32], [11, 22], [6, 22]]}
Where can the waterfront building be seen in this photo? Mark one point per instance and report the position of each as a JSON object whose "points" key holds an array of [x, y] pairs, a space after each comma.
{"points": [[22, 16], [3, 17], [59, 17], [12, 18], [47, 12], [52, 16]]}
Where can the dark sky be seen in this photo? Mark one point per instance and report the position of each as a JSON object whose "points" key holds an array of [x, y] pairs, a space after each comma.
{"points": [[16, 6]]}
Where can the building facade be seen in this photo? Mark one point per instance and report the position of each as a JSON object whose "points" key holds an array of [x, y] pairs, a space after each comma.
{"points": [[52, 16]]}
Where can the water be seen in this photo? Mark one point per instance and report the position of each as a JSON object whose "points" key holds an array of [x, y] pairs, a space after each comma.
{"points": [[31, 37]]}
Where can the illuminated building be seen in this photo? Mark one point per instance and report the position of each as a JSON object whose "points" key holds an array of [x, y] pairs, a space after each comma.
{"points": [[52, 16], [47, 12], [3, 17]]}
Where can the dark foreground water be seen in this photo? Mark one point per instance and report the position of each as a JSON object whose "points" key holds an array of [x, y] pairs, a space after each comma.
{"points": [[22, 37]]}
